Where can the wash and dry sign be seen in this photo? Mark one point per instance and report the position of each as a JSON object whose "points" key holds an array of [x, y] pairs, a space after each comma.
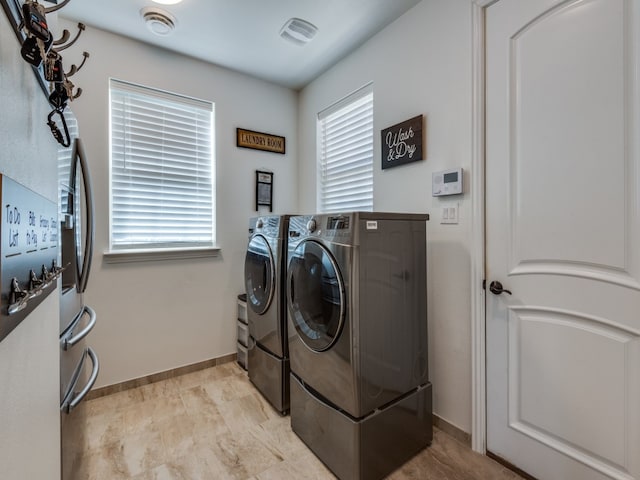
{"points": [[402, 143], [260, 141]]}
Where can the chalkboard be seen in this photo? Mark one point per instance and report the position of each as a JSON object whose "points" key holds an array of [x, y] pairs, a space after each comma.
{"points": [[402, 143], [28, 252]]}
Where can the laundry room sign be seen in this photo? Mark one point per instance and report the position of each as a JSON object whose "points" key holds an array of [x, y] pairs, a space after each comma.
{"points": [[260, 141], [402, 143]]}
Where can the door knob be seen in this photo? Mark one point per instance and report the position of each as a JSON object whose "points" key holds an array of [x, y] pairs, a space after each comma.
{"points": [[496, 288]]}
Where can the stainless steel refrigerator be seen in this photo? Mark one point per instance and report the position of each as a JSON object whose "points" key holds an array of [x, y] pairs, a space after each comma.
{"points": [[79, 363]]}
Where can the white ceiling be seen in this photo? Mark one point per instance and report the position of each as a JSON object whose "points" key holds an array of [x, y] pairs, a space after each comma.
{"points": [[243, 35]]}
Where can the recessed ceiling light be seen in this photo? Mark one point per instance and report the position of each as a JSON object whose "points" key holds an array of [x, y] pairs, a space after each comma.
{"points": [[298, 31], [167, 2]]}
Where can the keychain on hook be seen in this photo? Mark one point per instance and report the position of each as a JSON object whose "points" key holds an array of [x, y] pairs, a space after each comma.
{"points": [[38, 47]]}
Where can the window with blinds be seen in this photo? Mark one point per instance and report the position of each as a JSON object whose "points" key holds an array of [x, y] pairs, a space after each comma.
{"points": [[345, 142], [162, 169]]}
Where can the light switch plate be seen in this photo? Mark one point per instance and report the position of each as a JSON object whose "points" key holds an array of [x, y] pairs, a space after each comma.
{"points": [[450, 214]]}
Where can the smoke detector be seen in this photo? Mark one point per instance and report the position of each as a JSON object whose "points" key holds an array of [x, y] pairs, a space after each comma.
{"points": [[159, 22], [298, 31]]}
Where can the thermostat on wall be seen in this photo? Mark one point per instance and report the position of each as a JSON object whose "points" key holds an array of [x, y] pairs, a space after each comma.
{"points": [[447, 182]]}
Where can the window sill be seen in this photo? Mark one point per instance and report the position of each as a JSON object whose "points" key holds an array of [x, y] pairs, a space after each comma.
{"points": [[129, 256]]}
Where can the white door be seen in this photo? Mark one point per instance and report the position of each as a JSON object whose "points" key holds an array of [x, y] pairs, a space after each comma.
{"points": [[563, 235]]}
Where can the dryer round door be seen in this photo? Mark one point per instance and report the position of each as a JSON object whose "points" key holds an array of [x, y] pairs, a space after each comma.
{"points": [[315, 295], [259, 274]]}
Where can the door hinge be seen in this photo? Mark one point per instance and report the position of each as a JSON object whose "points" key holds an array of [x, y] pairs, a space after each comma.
{"points": [[484, 283]]}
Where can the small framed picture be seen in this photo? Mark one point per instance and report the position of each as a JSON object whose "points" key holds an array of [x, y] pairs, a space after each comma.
{"points": [[264, 189]]}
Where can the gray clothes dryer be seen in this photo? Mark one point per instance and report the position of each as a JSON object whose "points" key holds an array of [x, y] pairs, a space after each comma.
{"points": [[264, 274], [356, 294]]}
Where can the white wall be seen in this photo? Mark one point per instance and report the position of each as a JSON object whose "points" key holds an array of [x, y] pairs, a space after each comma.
{"points": [[155, 316], [29, 355], [421, 64], [158, 316]]}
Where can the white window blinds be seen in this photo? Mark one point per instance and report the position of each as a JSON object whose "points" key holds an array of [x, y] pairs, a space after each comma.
{"points": [[162, 169], [345, 131]]}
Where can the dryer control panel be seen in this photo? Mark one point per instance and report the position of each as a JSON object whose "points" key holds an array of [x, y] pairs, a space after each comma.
{"points": [[339, 222]]}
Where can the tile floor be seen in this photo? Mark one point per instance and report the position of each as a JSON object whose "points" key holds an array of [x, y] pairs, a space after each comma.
{"points": [[214, 425]]}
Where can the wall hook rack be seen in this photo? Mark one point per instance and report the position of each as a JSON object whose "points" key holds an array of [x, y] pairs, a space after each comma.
{"points": [[38, 48]]}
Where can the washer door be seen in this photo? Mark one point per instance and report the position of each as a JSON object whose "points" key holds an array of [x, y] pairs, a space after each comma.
{"points": [[315, 295], [259, 274]]}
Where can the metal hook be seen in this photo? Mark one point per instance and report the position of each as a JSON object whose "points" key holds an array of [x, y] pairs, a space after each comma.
{"points": [[81, 28], [73, 70], [65, 37], [57, 7], [69, 86]]}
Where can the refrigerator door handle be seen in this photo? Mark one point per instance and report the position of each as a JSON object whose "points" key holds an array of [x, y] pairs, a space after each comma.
{"points": [[69, 340], [67, 407], [88, 246]]}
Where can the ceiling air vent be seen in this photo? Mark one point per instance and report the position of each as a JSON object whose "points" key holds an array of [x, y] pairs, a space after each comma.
{"points": [[298, 31], [158, 21]]}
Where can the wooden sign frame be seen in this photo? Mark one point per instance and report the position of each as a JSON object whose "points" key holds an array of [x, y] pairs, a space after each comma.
{"points": [[402, 143], [260, 141]]}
